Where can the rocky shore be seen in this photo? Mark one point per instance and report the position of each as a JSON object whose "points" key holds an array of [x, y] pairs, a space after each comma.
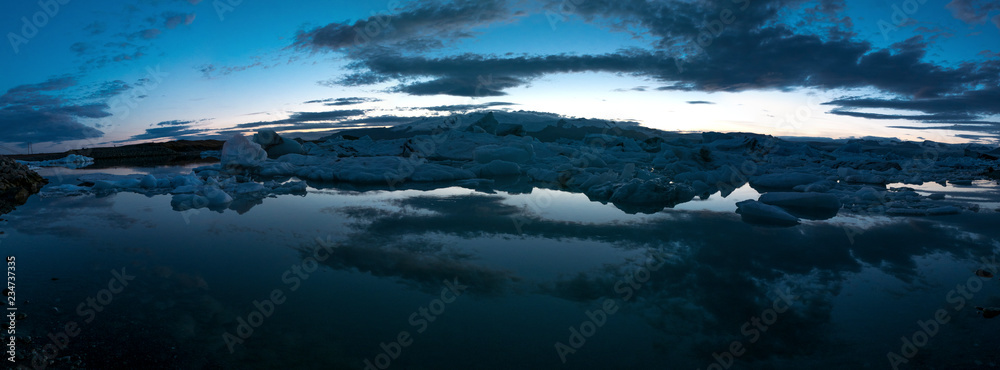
{"points": [[17, 183]]}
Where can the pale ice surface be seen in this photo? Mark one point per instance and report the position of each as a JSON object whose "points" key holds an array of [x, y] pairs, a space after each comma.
{"points": [[71, 161], [637, 169]]}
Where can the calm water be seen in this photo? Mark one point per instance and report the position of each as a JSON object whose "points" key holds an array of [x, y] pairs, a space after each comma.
{"points": [[683, 288]]}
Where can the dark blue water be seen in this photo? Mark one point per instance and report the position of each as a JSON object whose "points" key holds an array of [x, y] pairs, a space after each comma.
{"points": [[358, 278]]}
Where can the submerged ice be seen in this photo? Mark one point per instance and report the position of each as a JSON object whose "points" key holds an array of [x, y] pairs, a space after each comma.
{"points": [[635, 168]]}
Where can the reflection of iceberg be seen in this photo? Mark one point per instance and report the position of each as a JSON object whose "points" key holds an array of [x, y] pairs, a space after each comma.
{"points": [[635, 168], [723, 272], [72, 161]]}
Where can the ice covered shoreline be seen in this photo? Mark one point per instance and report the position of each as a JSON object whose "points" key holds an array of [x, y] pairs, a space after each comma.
{"points": [[637, 169]]}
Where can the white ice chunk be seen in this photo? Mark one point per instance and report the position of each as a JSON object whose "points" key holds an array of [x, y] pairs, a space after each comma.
{"points": [[275, 145], [240, 152], [72, 161]]}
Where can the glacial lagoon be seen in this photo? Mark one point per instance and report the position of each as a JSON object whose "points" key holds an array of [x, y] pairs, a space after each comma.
{"points": [[341, 277]]}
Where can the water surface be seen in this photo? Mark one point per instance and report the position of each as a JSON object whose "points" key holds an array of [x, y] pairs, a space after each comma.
{"points": [[536, 267]]}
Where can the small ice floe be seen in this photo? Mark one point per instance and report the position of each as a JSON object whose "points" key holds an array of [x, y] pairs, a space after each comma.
{"points": [[72, 161]]}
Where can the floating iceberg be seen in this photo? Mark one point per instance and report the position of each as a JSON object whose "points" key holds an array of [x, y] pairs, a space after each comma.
{"points": [[238, 152], [275, 145], [72, 161]]}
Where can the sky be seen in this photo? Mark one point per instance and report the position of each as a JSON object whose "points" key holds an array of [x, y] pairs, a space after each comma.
{"points": [[85, 74]]}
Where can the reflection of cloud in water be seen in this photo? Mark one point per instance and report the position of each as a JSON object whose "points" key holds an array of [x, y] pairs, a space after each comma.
{"points": [[726, 271], [70, 217], [417, 261]]}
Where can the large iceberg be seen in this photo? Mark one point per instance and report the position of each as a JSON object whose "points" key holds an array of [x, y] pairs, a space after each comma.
{"points": [[238, 152]]}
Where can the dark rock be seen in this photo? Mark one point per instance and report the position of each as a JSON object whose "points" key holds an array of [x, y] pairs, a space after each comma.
{"points": [[17, 183]]}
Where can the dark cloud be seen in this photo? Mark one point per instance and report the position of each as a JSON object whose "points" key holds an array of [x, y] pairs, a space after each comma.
{"points": [[758, 50], [379, 121], [637, 88], [304, 121], [343, 101], [211, 71], [173, 123], [32, 92], [915, 117], [990, 129], [297, 119], [28, 113], [324, 116], [109, 89], [80, 48], [171, 20], [171, 132], [769, 59], [699, 102], [968, 111], [95, 28], [973, 11], [466, 107], [131, 38], [98, 55], [478, 75], [974, 102], [85, 111], [419, 26], [21, 124], [146, 34]]}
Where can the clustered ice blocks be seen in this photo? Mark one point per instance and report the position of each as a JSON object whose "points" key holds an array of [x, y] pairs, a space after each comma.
{"points": [[71, 161], [638, 169]]}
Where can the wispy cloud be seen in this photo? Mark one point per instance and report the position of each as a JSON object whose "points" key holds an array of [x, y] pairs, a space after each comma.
{"points": [[343, 101]]}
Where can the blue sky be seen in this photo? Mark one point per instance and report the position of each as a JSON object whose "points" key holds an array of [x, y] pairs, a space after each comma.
{"points": [[87, 74]]}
